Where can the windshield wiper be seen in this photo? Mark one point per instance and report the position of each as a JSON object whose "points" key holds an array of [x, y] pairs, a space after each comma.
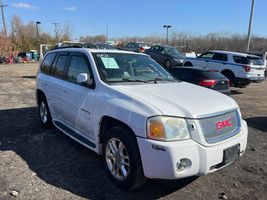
{"points": [[133, 80], [155, 80]]}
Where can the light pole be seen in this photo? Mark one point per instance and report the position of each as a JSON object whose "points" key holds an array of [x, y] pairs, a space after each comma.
{"points": [[167, 36], [37, 28], [3, 17], [250, 23]]}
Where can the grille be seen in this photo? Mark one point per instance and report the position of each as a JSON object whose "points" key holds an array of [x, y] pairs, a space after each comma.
{"points": [[221, 127]]}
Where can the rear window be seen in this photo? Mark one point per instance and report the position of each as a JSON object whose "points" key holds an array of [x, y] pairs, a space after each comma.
{"points": [[248, 60], [211, 75], [47, 62]]}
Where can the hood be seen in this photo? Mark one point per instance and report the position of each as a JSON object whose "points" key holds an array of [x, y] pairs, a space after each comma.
{"points": [[180, 99]]}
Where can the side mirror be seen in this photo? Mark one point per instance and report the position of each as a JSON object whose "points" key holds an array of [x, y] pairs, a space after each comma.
{"points": [[84, 79]]}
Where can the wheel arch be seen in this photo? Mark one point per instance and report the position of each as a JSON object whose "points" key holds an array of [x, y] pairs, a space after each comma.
{"points": [[108, 122], [39, 94], [188, 63]]}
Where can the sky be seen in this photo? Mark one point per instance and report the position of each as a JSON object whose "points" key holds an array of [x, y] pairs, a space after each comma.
{"points": [[141, 17]]}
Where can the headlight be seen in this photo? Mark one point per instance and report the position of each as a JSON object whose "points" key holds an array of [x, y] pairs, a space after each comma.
{"points": [[167, 128]]}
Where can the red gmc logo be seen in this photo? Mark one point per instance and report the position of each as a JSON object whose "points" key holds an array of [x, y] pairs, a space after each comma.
{"points": [[223, 124]]}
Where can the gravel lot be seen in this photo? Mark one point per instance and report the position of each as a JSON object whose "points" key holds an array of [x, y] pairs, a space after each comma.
{"points": [[45, 164]]}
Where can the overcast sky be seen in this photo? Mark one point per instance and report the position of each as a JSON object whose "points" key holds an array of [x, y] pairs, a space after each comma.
{"points": [[142, 17]]}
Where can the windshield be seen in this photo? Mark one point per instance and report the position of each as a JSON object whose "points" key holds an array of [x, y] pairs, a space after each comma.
{"points": [[173, 52], [123, 67]]}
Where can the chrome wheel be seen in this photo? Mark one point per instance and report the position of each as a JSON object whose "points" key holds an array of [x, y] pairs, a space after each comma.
{"points": [[43, 112], [117, 159]]}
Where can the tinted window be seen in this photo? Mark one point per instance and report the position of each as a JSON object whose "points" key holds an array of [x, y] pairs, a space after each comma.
{"points": [[47, 62], [220, 57], [241, 60], [58, 68], [77, 65], [184, 73]]}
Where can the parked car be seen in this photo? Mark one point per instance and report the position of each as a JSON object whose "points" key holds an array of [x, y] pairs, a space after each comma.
{"points": [[136, 47], [166, 56], [104, 46], [89, 45], [263, 56], [198, 76], [145, 123], [239, 68], [24, 57]]}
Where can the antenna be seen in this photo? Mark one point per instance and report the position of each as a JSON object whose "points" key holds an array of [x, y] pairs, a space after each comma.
{"points": [[3, 17]]}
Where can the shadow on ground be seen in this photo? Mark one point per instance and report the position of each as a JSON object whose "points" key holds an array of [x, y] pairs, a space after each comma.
{"points": [[259, 123], [236, 92], [62, 162]]}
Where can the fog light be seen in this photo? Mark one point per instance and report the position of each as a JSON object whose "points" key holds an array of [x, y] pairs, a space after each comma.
{"points": [[182, 164]]}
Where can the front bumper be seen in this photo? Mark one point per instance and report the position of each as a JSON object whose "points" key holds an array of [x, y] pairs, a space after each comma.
{"points": [[160, 162]]}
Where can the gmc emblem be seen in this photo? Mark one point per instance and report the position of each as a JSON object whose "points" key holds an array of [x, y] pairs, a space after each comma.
{"points": [[222, 124]]}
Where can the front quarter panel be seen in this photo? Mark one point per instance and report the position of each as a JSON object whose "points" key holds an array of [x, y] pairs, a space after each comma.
{"points": [[126, 109]]}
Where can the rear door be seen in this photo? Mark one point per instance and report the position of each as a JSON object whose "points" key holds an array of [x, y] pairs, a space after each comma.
{"points": [[218, 62], [77, 99], [54, 85]]}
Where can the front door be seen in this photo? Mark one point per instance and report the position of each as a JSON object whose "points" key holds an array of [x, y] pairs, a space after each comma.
{"points": [[76, 99]]}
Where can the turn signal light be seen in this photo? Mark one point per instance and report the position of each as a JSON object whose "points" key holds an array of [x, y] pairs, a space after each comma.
{"points": [[157, 129]]}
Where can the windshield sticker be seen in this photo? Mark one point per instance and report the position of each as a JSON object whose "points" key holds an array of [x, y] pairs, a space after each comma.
{"points": [[109, 63]]}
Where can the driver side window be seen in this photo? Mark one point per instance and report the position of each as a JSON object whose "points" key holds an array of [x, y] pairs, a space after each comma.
{"points": [[77, 65], [208, 55]]}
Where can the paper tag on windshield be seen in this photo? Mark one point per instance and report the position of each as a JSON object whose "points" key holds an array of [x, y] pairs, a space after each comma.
{"points": [[109, 63]]}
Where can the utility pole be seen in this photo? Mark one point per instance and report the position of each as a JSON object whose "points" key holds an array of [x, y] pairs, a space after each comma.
{"points": [[167, 36], [37, 28], [56, 24], [3, 17], [250, 24], [106, 32]]}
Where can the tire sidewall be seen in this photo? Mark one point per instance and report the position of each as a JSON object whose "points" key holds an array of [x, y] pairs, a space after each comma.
{"points": [[48, 123], [134, 158]]}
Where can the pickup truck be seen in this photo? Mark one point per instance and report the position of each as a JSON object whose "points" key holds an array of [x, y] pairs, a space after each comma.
{"points": [[145, 124]]}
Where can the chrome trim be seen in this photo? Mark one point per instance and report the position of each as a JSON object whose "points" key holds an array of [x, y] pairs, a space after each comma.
{"points": [[225, 135], [216, 114]]}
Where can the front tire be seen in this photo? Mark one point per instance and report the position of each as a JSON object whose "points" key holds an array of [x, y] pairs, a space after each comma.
{"points": [[122, 159], [44, 113]]}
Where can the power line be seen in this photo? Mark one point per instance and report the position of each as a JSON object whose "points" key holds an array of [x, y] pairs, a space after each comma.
{"points": [[3, 17]]}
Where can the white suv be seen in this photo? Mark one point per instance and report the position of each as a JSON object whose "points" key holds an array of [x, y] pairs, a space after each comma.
{"points": [[239, 68], [145, 123]]}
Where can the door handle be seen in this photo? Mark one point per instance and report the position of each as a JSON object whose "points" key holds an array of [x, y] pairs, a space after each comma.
{"points": [[64, 91]]}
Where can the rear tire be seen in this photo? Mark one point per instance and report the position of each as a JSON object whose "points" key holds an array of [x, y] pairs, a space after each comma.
{"points": [[44, 113], [121, 158], [167, 64]]}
